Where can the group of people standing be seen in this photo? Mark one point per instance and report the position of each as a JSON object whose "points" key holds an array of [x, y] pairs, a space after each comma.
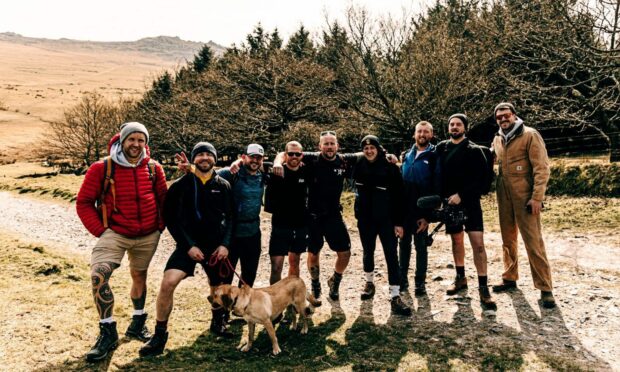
{"points": [[214, 216]]}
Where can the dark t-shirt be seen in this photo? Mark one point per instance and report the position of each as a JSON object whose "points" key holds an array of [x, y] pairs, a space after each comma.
{"points": [[326, 181], [287, 198]]}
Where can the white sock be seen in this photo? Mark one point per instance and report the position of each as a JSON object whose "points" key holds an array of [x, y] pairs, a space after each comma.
{"points": [[370, 277], [394, 291], [107, 320], [138, 312]]}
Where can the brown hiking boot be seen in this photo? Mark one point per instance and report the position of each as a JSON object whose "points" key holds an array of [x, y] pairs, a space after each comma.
{"points": [[505, 286], [485, 298], [399, 307], [458, 285], [547, 299], [369, 291]]}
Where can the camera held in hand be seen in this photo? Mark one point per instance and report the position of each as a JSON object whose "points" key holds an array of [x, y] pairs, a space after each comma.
{"points": [[442, 212]]}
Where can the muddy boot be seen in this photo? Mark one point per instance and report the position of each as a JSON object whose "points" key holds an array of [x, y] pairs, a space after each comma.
{"points": [[420, 286], [399, 307], [505, 286], [316, 288], [334, 286], [369, 291], [459, 284], [218, 325], [485, 298], [137, 328], [547, 299], [106, 342], [156, 344]]}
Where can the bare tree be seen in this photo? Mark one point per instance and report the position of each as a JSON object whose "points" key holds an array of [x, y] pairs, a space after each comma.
{"points": [[83, 135]]}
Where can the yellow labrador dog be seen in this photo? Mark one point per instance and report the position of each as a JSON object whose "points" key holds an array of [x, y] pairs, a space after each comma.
{"points": [[263, 305]]}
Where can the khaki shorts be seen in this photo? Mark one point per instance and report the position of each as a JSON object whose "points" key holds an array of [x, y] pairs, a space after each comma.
{"points": [[111, 247]]}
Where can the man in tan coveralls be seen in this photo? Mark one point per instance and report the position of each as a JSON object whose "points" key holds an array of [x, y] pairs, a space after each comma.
{"points": [[521, 186]]}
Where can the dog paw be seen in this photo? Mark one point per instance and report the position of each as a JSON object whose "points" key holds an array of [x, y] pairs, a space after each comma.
{"points": [[304, 330], [245, 348], [277, 350]]}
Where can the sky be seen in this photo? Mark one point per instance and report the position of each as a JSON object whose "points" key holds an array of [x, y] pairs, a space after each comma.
{"points": [[224, 21]]}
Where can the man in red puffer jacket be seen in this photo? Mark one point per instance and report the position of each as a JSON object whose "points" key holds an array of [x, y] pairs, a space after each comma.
{"points": [[128, 220]]}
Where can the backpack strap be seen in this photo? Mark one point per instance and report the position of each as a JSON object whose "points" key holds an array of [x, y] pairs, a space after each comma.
{"points": [[108, 183]]}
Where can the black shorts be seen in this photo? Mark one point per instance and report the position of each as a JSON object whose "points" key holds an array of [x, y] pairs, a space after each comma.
{"points": [[473, 211], [286, 239], [331, 229], [180, 260]]}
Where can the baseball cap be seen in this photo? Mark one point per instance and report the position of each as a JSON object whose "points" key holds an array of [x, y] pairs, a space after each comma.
{"points": [[255, 149]]}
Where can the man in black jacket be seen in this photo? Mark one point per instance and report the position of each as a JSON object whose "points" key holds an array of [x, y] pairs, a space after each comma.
{"points": [[198, 212], [462, 170], [379, 212]]}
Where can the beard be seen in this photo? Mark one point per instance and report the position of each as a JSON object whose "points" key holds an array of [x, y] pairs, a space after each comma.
{"points": [[458, 135], [204, 166]]}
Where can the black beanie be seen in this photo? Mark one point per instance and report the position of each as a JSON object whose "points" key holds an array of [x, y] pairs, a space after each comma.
{"points": [[371, 140], [462, 117], [203, 147]]}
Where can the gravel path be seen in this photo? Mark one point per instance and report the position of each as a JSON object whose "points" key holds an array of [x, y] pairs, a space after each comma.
{"points": [[585, 326]]}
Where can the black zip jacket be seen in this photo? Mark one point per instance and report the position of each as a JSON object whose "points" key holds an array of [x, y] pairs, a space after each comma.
{"points": [[462, 170], [379, 191], [199, 215]]}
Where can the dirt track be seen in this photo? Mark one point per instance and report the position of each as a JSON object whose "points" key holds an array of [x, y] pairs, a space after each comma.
{"points": [[585, 327]]}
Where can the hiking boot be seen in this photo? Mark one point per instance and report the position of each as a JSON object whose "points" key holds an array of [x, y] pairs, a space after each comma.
{"points": [[137, 328], [458, 285], [316, 288], [156, 344], [420, 286], [369, 291], [106, 342], [399, 307], [485, 298], [334, 285], [505, 286], [218, 325], [547, 299]]}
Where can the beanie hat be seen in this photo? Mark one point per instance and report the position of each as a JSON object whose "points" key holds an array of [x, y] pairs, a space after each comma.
{"points": [[462, 117], [133, 127], [203, 147], [503, 106], [371, 140]]}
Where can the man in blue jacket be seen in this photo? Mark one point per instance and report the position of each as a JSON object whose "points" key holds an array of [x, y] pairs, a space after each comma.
{"points": [[421, 177]]}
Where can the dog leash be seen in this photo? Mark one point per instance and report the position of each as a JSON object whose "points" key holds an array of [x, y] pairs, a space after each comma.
{"points": [[225, 269]]}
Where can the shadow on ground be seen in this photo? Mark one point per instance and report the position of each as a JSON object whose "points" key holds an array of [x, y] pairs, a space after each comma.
{"points": [[418, 342]]}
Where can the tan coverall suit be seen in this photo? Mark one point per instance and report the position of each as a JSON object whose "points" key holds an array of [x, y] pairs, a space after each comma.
{"points": [[523, 175]]}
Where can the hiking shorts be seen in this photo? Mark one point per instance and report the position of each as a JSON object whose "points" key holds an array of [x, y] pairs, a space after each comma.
{"points": [[111, 247], [287, 239], [331, 229], [474, 222]]}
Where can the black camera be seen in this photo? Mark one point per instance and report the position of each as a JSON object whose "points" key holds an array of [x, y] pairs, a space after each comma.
{"points": [[442, 212]]}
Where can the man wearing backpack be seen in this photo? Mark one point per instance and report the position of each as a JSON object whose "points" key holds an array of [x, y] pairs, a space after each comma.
{"points": [[421, 177], [129, 189], [521, 185], [462, 176]]}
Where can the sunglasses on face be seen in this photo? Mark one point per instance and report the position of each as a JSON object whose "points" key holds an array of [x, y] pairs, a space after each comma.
{"points": [[503, 116], [328, 133], [256, 157], [294, 154]]}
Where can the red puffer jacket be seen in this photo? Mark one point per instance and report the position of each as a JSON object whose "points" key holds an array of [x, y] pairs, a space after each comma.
{"points": [[136, 212]]}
